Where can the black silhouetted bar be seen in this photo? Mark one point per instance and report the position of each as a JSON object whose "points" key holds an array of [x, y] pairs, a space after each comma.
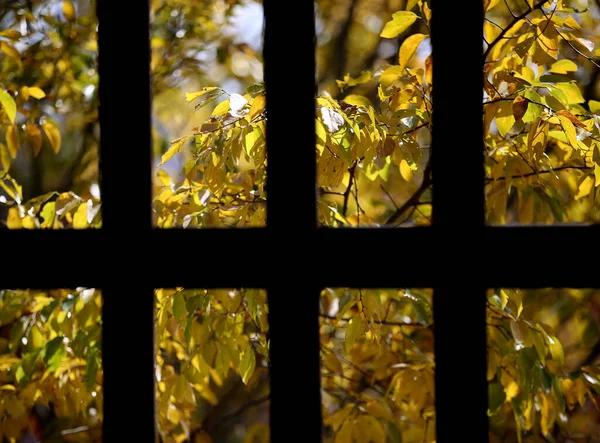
{"points": [[458, 219], [292, 283], [126, 248]]}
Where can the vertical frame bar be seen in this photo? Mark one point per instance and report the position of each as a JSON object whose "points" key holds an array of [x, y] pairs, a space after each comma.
{"points": [[291, 220], [458, 220], [125, 161]]}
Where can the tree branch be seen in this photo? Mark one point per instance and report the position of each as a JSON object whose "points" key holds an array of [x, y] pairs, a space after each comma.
{"points": [[349, 188], [378, 322], [511, 25], [414, 200], [529, 174], [250, 404]]}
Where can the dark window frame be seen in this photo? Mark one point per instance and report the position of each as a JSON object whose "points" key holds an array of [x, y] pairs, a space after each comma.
{"points": [[458, 255]]}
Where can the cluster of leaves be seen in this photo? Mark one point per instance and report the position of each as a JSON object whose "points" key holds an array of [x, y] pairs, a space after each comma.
{"points": [[541, 134], [49, 211], [50, 357], [225, 180], [48, 84], [535, 387], [377, 365], [360, 142], [212, 356], [184, 32]]}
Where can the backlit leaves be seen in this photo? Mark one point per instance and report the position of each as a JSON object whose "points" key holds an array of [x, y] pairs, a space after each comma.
{"points": [[547, 129], [408, 49], [205, 96], [174, 149], [209, 342], [399, 23], [8, 105], [53, 134], [377, 379], [54, 355]]}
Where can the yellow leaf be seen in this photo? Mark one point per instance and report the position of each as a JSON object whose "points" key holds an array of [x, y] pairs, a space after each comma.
{"points": [[405, 171], [367, 429], [40, 302], [569, 130], [12, 140], [377, 409], [80, 217], [505, 118], [207, 394], [69, 10], [35, 137], [597, 174], [4, 157], [221, 109], [24, 92], [13, 221], [35, 337], [11, 33], [563, 67], [36, 92], [409, 48], [174, 149], [11, 52], [548, 38], [512, 390], [537, 139], [429, 70], [585, 187], [358, 100], [53, 135], [547, 415], [399, 23], [344, 435], [247, 365], [331, 362], [258, 105], [189, 96], [9, 105], [572, 92]]}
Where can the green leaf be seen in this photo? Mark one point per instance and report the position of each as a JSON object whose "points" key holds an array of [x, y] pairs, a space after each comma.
{"points": [[93, 364], [556, 349], [393, 432], [556, 385], [54, 353], [179, 307], [399, 23], [9, 105], [194, 302], [174, 149], [496, 397]]}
